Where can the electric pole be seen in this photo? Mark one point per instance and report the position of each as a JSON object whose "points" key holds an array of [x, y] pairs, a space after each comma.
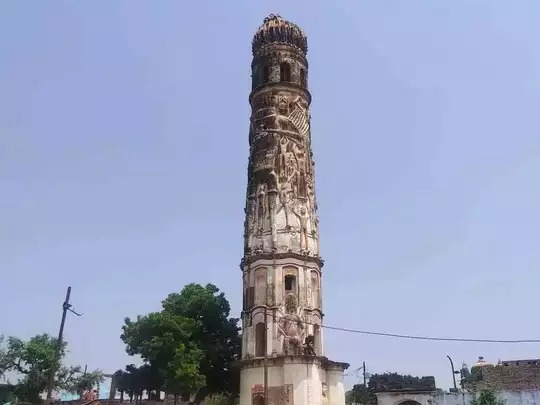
{"points": [[365, 383], [453, 373], [65, 307]]}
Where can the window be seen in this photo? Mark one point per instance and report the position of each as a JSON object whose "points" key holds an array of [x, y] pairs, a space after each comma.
{"points": [[303, 81], [266, 74], [290, 283], [284, 72], [250, 297], [315, 293], [260, 339], [255, 75]]}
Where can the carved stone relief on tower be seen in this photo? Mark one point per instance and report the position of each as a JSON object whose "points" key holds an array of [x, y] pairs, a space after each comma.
{"points": [[291, 326], [283, 322], [280, 395], [271, 294], [281, 192], [261, 206]]}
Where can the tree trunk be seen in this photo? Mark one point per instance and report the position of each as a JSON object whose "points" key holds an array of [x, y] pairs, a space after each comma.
{"points": [[201, 395]]}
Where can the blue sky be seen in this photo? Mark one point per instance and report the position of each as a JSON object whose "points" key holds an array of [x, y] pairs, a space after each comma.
{"points": [[123, 157]]}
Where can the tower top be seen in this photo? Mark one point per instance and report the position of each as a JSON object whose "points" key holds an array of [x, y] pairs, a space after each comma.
{"points": [[276, 30]]}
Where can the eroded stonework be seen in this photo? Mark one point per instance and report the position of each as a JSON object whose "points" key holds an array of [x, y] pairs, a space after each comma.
{"points": [[282, 306], [281, 207], [276, 395], [281, 210]]}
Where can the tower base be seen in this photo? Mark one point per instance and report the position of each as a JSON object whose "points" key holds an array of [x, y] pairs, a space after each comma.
{"points": [[293, 380]]}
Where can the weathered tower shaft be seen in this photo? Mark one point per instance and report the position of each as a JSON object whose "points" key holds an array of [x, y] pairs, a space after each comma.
{"points": [[280, 209], [281, 258], [282, 307]]}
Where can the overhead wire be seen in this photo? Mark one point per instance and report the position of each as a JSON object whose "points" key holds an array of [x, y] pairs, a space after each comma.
{"points": [[432, 338], [418, 337]]}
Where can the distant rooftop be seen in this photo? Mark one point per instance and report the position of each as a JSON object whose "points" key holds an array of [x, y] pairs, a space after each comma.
{"points": [[511, 375]]}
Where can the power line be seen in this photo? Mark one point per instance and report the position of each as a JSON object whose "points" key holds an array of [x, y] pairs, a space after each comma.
{"points": [[415, 337], [433, 338]]}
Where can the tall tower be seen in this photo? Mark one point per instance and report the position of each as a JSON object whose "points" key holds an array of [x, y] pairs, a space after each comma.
{"points": [[282, 307]]}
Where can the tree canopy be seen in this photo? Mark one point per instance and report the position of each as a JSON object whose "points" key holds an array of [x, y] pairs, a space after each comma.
{"points": [[31, 361], [387, 382], [133, 381], [164, 341], [191, 344], [358, 395], [486, 397], [395, 381]]}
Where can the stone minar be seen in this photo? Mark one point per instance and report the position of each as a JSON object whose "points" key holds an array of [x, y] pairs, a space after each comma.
{"points": [[282, 267]]}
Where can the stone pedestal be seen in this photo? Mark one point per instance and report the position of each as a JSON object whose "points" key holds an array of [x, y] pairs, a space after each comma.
{"points": [[293, 380]]}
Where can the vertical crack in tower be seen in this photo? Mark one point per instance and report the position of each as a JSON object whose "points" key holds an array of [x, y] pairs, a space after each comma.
{"points": [[282, 264]]}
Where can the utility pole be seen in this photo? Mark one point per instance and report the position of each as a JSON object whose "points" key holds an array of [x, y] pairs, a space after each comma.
{"points": [[365, 383], [265, 355], [453, 373], [65, 307]]}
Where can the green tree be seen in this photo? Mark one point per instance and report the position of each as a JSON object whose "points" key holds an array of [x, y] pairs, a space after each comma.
{"points": [[354, 395], [135, 380], [357, 395], [395, 381], [151, 381], [192, 341], [486, 397], [219, 399], [82, 381], [124, 384], [7, 393], [217, 335], [385, 382], [351, 396], [31, 362], [165, 342]]}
